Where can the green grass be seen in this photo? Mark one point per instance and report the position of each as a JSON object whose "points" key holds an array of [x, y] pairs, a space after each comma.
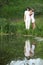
{"points": [[17, 27]]}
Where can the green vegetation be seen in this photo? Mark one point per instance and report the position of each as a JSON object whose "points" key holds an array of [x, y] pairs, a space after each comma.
{"points": [[12, 25], [15, 8], [12, 48], [11, 16], [17, 27]]}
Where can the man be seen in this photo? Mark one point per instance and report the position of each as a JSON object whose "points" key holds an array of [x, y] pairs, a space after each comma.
{"points": [[28, 16]]}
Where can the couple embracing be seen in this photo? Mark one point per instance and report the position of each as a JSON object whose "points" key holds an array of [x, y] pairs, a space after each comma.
{"points": [[29, 17]]}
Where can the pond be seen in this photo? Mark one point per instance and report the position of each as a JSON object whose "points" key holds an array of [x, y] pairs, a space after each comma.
{"points": [[12, 50]]}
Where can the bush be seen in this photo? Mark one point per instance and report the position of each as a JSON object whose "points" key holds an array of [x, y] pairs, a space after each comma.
{"points": [[15, 9]]}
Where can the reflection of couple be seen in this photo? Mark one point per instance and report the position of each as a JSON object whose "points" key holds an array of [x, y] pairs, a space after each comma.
{"points": [[28, 17], [29, 49]]}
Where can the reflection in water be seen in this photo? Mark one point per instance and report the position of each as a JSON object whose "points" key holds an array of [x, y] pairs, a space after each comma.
{"points": [[28, 52], [11, 48], [29, 49], [37, 61]]}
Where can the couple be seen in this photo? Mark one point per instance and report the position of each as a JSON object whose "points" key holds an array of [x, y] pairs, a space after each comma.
{"points": [[29, 49], [28, 17]]}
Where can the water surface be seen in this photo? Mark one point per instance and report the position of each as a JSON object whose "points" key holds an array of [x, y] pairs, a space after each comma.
{"points": [[12, 49]]}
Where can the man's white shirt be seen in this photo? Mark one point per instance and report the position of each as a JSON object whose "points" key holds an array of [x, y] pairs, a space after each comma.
{"points": [[27, 14]]}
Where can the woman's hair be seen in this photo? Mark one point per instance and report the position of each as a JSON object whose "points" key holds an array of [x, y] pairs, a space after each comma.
{"points": [[28, 8]]}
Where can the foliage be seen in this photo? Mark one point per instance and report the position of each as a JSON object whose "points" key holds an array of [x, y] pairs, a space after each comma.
{"points": [[15, 8], [18, 27]]}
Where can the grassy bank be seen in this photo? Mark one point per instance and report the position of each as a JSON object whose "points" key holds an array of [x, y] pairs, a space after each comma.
{"points": [[18, 27]]}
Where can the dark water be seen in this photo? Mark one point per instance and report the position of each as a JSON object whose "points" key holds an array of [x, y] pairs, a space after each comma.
{"points": [[12, 49]]}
